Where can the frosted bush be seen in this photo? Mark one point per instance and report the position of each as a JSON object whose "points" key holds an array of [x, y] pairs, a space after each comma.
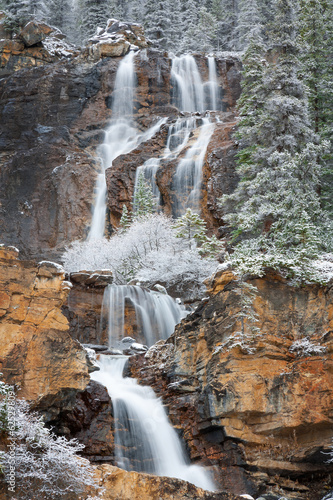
{"points": [[304, 348], [46, 465], [148, 250]]}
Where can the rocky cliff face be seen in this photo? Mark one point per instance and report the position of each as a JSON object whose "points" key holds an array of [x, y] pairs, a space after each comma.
{"points": [[258, 409], [53, 117], [37, 353]]}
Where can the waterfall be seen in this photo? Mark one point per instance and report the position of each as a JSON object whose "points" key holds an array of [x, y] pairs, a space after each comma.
{"points": [[192, 95], [213, 85], [189, 91], [145, 441], [178, 136], [156, 313], [187, 180], [121, 137]]}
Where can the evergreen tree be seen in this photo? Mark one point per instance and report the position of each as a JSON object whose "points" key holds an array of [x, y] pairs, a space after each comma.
{"points": [[207, 29], [316, 36], [191, 228], [125, 220], [276, 206], [190, 23], [174, 29], [156, 21], [249, 23], [92, 13], [63, 14], [26, 9], [226, 13], [144, 202], [137, 11]]}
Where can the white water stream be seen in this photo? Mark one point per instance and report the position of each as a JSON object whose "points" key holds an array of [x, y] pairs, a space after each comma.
{"points": [[190, 94], [145, 441], [156, 313], [121, 137]]}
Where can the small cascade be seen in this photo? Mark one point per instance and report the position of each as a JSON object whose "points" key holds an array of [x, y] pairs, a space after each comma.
{"points": [[121, 137], [188, 92], [145, 441], [213, 94], [156, 313], [188, 176], [178, 136]]}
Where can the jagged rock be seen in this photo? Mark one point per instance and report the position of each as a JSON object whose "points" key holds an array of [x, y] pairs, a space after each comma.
{"points": [[37, 353], [35, 44], [90, 420], [252, 406], [135, 348], [137, 486], [34, 32], [116, 39]]}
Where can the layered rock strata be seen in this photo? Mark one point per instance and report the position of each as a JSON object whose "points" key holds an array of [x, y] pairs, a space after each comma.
{"points": [[257, 408], [37, 354]]}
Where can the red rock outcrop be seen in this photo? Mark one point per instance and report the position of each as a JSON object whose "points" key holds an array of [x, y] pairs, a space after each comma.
{"points": [[258, 409], [37, 353]]}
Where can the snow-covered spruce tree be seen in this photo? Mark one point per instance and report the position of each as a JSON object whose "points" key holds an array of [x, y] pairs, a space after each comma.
{"points": [[137, 11], [125, 220], [64, 15], [316, 37], [174, 28], [191, 228], [156, 21], [276, 207], [226, 13], [91, 14], [144, 202], [249, 23], [206, 32], [190, 22]]}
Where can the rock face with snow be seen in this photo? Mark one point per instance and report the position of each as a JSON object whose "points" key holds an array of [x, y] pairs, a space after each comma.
{"points": [[258, 409], [116, 39], [36, 351], [53, 117], [33, 44]]}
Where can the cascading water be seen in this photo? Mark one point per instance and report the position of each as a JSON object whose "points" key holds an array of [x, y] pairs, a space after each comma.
{"points": [[120, 138], [156, 313], [190, 94], [213, 85], [188, 176], [144, 439]]}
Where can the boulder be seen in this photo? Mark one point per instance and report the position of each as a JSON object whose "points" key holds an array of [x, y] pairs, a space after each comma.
{"points": [[34, 32]]}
